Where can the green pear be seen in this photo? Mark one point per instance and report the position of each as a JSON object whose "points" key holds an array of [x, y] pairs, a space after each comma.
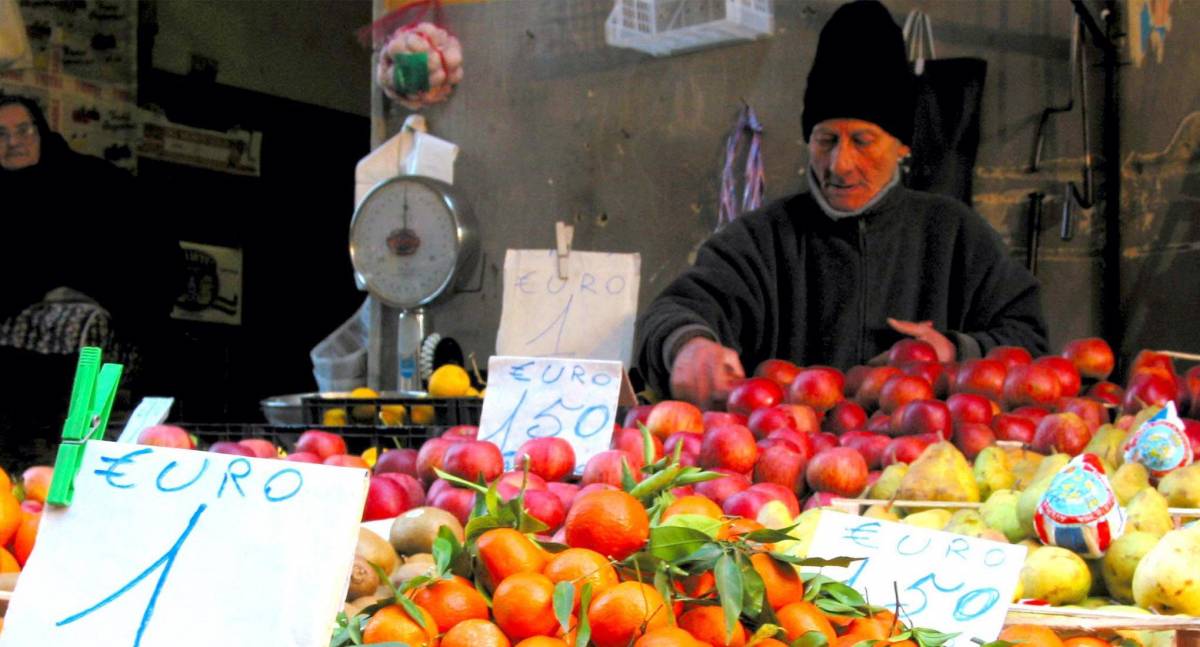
{"points": [[881, 512], [1106, 443], [1182, 487], [1128, 480], [1056, 575], [1050, 466], [1000, 512], [1147, 512], [966, 522], [1024, 466], [889, 481], [934, 519], [1027, 504], [940, 473], [1119, 563], [993, 471], [1168, 577]]}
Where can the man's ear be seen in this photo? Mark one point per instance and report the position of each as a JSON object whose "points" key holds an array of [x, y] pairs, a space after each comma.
{"points": [[903, 151]]}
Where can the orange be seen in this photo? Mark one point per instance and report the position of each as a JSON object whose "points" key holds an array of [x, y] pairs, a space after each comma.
{"points": [[26, 536], [799, 618], [867, 629], [737, 527], [1031, 635], [693, 504], [11, 516], [543, 641], [707, 624], [6, 483], [524, 606], [697, 586], [36, 481], [1085, 641], [769, 642], [505, 552], [8, 563], [668, 637], [451, 601], [475, 632], [609, 522], [581, 566], [621, 614], [393, 624], [781, 581]]}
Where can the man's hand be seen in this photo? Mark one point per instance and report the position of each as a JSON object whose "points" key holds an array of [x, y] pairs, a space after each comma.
{"points": [[704, 373], [924, 331]]}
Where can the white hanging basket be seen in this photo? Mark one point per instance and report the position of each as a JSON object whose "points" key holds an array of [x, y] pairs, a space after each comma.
{"points": [[663, 27]]}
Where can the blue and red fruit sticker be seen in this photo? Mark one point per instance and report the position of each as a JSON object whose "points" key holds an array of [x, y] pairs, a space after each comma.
{"points": [[1079, 511], [1160, 444]]}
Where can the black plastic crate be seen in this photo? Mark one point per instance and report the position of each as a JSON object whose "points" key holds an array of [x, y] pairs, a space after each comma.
{"points": [[358, 437], [447, 412]]}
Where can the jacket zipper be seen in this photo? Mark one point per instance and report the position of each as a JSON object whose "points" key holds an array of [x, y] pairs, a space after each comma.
{"points": [[862, 290]]}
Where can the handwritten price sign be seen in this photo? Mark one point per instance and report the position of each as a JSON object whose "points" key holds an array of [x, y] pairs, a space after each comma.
{"points": [[169, 547], [542, 397], [946, 582]]}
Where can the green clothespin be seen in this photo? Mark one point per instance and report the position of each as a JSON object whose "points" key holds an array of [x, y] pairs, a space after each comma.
{"points": [[87, 418]]}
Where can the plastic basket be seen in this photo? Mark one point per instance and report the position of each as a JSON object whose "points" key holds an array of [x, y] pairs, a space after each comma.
{"points": [[310, 408], [358, 437], [662, 27]]}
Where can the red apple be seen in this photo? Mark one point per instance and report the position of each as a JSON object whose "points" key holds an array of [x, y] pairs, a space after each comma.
{"points": [[457, 501], [971, 437], [1061, 432], [902, 389], [780, 371], [782, 466], [839, 470], [231, 448], [904, 449], [1033, 413], [746, 503], [932, 372], [473, 460], [553, 459], [414, 494], [732, 447], [923, 417], [1008, 426], [720, 489], [980, 376], [942, 387], [1030, 384], [165, 436], [872, 383], [819, 387], [846, 415], [302, 457], [870, 445], [780, 493], [321, 443], [764, 421], [1069, 381], [631, 441], [1192, 429], [969, 407], [753, 393], [691, 443], [401, 461], [1148, 361], [1010, 356], [546, 507], [436, 487], [820, 500], [1107, 393], [911, 350], [800, 440], [822, 441], [1092, 357], [712, 419], [509, 485], [468, 432], [1092, 412], [807, 420], [385, 500], [637, 415], [566, 492], [1148, 389], [431, 457], [261, 447], [670, 416], [880, 423], [605, 467], [854, 380], [346, 460]]}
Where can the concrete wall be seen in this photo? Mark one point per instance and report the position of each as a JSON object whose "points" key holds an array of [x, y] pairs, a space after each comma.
{"points": [[554, 124]]}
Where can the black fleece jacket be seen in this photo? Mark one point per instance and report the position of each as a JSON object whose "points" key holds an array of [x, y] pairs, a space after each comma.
{"points": [[788, 281]]}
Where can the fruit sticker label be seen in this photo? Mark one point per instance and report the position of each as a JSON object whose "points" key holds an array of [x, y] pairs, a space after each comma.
{"points": [[1160, 444], [543, 397], [171, 547], [1079, 510], [948, 581]]}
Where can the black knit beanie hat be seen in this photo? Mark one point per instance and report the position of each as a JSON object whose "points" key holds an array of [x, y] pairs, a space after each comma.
{"points": [[861, 72]]}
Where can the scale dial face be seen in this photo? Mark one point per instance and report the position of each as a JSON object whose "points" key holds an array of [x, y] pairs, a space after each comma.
{"points": [[406, 240]]}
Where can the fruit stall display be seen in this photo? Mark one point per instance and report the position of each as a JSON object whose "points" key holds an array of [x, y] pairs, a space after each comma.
{"points": [[691, 529]]}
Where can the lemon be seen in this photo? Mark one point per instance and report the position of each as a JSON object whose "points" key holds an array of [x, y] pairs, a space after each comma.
{"points": [[392, 415], [370, 456], [366, 412], [335, 418], [449, 381]]}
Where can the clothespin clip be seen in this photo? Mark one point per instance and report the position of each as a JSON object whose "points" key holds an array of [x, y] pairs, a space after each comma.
{"points": [[92, 398], [563, 233]]}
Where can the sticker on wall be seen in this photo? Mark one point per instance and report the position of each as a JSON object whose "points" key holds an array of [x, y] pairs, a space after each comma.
{"points": [[214, 285], [238, 152], [1149, 22]]}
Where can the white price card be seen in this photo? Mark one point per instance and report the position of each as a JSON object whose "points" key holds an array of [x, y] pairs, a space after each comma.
{"points": [[946, 582], [589, 314], [171, 547], [543, 397]]}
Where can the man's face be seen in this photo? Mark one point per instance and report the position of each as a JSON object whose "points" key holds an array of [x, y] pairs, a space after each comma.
{"points": [[20, 145], [853, 160]]}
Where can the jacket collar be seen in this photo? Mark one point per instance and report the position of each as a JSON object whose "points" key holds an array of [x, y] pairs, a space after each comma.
{"points": [[876, 204]]}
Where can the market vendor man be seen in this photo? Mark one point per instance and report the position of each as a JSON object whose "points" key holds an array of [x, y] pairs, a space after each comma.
{"points": [[836, 275]]}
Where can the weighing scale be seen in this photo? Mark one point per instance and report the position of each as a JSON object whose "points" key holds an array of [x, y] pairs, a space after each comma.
{"points": [[410, 237]]}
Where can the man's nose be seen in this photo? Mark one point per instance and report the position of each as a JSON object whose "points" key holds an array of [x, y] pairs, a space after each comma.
{"points": [[843, 159]]}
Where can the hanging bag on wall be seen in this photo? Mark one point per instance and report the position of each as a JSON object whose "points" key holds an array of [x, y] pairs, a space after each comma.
{"points": [[754, 180], [949, 96]]}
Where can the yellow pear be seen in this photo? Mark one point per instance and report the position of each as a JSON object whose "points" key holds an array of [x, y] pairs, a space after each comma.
{"points": [[1121, 560], [1056, 575], [1182, 487], [1106, 443], [941, 473], [1024, 467], [889, 481], [966, 522], [1147, 512], [881, 512], [993, 471], [934, 519], [1050, 466], [1168, 577], [1128, 480]]}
